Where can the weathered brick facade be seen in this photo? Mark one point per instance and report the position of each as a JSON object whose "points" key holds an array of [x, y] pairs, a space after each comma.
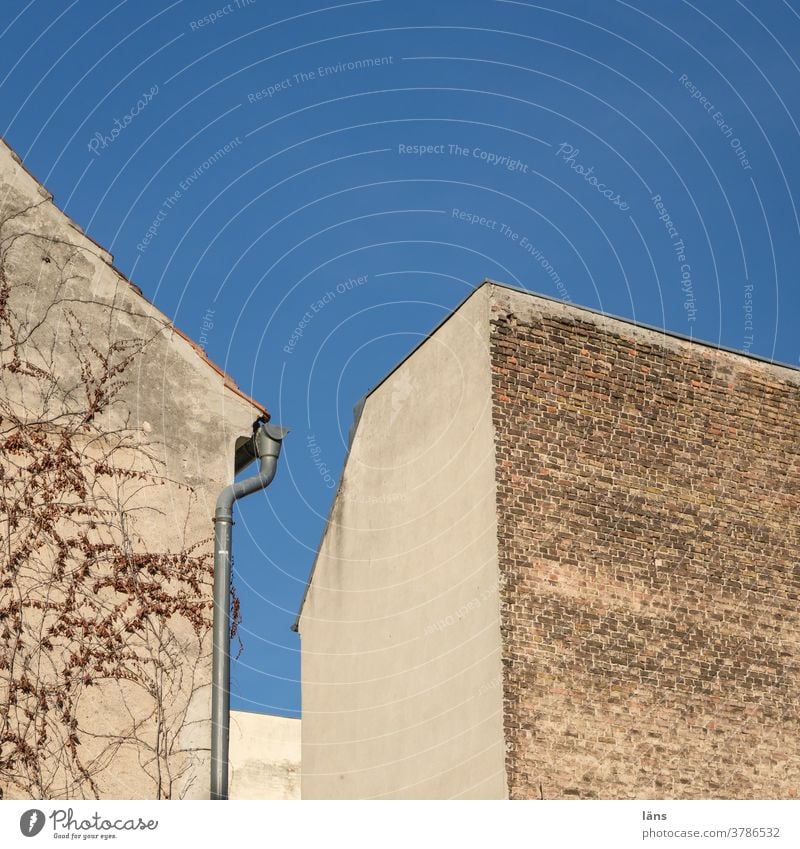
{"points": [[649, 549], [588, 585]]}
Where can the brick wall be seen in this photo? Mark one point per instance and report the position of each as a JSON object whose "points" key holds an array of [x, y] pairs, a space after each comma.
{"points": [[649, 528]]}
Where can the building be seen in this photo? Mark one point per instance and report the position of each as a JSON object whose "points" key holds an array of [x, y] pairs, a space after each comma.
{"points": [[563, 563], [109, 473], [264, 756]]}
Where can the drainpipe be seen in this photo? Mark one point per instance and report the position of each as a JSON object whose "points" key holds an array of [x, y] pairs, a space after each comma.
{"points": [[267, 440]]}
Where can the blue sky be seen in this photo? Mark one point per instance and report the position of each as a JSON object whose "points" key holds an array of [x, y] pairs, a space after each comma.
{"points": [[331, 180]]}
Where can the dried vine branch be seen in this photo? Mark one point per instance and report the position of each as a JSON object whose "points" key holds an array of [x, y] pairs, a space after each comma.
{"points": [[91, 616]]}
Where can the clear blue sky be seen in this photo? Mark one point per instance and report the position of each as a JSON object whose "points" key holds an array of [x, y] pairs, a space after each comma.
{"points": [[644, 154]]}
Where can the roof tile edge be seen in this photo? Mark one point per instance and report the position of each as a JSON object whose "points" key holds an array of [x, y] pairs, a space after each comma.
{"points": [[108, 258]]}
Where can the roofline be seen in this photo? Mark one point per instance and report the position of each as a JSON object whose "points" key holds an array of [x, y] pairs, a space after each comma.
{"points": [[358, 408], [427, 336], [107, 257], [661, 331]]}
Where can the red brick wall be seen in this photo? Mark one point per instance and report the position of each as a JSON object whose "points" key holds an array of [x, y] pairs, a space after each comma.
{"points": [[649, 524]]}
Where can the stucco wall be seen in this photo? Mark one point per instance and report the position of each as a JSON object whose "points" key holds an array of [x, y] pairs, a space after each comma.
{"points": [[400, 629], [648, 495], [264, 756], [176, 418]]}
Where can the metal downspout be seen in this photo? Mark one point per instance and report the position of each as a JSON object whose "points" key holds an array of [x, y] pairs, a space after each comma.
{"points": [[267, 441]]}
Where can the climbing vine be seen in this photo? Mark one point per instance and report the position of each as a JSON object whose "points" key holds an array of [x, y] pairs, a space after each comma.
{"points": [[103, 637]]}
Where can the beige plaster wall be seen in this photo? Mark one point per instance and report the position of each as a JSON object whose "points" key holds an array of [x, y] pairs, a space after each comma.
{"points": [[401, 672], [264, 756], [180, 418]]}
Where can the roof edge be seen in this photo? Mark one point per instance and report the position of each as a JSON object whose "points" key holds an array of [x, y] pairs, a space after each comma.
{"points": [[107, 257], [661, 331], [638, 325], [358, 408]]}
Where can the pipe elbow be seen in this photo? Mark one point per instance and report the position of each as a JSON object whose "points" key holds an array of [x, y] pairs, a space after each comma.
{"points": [[268, 440], [225, 503], [267, 466]]}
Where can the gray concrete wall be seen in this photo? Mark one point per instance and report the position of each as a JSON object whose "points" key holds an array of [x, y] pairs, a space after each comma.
{"points": [[401, 672], [177, 418], [264, 756]]}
